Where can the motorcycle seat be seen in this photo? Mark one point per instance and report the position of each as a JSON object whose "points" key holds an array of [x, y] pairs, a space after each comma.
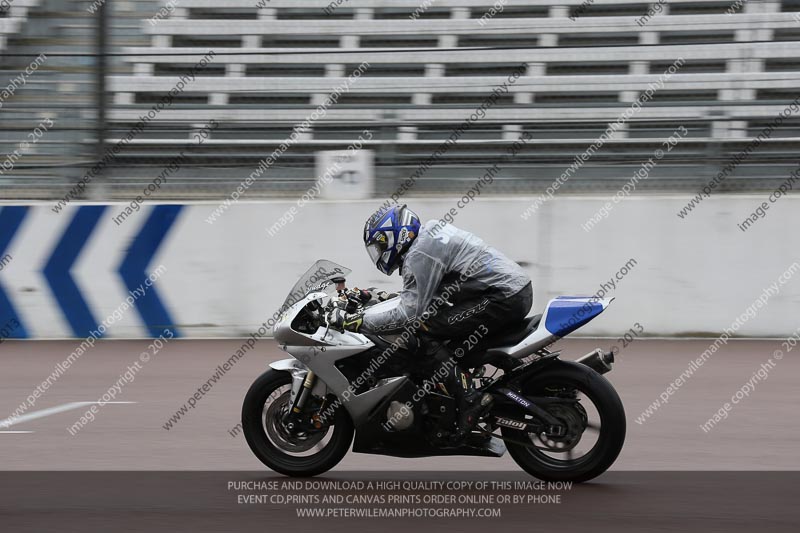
{"points": [[513, 334]]}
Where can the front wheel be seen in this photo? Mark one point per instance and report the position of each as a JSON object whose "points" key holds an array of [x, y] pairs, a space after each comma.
{"points": [[298, 452], [592, 413]]}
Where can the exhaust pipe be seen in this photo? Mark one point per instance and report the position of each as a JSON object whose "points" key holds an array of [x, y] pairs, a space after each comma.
{"points": [[598, 360]]}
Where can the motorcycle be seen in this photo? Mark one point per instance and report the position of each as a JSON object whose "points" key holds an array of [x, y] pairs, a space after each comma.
{"points": [[559, 420]]}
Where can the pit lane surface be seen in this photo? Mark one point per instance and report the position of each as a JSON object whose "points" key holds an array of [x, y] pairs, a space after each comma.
{"points": [[760, 432], [644, 491]]}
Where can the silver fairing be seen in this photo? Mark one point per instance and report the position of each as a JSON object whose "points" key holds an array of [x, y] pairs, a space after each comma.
{"points": [[321, 350]]}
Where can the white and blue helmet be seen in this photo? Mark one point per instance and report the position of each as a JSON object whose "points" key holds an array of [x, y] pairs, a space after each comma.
{"points": [[388, 235]]}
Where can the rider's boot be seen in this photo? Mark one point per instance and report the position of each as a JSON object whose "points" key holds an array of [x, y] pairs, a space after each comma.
{"points": [[472, 405]]}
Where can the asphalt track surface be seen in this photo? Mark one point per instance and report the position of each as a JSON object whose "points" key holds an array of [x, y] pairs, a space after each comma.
{"points": [[645, 489]]}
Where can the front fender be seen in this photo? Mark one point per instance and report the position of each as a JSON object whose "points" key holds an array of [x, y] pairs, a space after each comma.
{"points": [[288, 365], [298, 371]]}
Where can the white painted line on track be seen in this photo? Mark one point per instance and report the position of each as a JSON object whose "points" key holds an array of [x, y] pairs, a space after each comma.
{"points": [[50, 411], [16, 432]]}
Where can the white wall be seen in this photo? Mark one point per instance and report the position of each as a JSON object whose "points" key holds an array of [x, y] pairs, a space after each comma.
{"points": [[695, 275]]}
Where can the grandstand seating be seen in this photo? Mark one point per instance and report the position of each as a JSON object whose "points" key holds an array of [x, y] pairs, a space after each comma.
{"points": [[600, 57], [12, 18], [586, 65]]}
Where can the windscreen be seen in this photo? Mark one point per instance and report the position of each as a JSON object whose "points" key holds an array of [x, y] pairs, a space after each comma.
{"points": [[315, 278]]}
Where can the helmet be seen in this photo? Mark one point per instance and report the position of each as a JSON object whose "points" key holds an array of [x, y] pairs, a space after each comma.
{"points": [[388, 235]]}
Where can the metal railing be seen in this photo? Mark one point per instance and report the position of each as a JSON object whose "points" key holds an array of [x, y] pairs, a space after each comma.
{"points": [[106, 65]]}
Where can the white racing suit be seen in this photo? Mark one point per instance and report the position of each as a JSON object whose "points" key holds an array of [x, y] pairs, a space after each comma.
{"points": [[455, 285], [453, 282]]}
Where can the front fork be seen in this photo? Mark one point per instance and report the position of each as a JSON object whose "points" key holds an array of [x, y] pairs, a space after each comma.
{"points": [[292, 418]]}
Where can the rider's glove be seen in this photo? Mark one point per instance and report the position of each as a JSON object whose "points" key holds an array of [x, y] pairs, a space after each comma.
{"points": [[383, 296], [363, 295], [355, 299], [342, 320]]}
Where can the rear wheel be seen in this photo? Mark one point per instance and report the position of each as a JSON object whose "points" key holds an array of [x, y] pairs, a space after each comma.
{"points": [[594, 425], [290, 452]]}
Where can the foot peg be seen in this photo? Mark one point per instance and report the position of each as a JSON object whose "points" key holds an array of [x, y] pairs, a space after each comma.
{"points": [[469, 418]]}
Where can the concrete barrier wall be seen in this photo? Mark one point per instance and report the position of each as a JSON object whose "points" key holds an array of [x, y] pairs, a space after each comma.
{"points": [[695, 275]]}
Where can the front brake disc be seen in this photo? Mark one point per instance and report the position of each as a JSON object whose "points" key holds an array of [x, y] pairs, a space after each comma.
{"points": [[290, 441]]}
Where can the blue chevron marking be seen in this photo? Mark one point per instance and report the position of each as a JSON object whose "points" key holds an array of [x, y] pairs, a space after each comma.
{"points": [[134, 265], [57, 270], [11, 218]]}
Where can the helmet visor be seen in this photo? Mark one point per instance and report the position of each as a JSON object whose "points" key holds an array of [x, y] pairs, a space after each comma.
{"points": [[375, 251]]}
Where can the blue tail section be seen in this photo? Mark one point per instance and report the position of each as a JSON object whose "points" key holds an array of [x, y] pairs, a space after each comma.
{"points": [[565, 314]]}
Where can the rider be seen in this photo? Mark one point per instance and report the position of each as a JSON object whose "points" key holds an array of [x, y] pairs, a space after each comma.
{"points": [[482, 289]]}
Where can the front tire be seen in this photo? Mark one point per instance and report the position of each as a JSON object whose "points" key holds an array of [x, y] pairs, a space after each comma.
{"points": [[268, 387], [611, 430]]}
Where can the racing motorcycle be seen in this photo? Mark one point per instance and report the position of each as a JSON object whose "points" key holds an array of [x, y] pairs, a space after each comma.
{"points": [[559, 420]]}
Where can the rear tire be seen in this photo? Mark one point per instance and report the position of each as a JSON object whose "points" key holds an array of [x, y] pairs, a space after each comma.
{"points": [[271, 455], [612, 428]]}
